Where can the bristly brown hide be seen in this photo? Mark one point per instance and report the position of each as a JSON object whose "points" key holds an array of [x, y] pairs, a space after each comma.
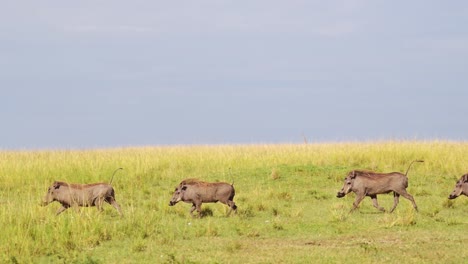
{"points": [[77, 185]]}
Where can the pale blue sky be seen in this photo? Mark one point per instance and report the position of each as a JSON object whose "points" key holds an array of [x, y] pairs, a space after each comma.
{"points": [[86, 74]]}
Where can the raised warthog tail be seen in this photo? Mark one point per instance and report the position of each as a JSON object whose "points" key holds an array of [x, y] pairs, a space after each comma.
{"points": [[406, 174], [112, 178]]}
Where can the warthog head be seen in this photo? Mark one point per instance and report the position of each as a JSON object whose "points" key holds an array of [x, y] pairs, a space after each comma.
{"points": [[50, 195], [348, 184], [178, 194], [461, 187]]}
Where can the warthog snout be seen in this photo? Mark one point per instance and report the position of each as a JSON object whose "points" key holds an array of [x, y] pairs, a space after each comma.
{"points": [[340, 194]]}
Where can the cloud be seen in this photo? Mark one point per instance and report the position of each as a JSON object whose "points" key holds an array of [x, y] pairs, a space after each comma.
{"points": [[107, 29], [322, 19], [338, 29]]}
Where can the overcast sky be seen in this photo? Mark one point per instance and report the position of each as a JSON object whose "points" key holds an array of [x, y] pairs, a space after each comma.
{"points": [[107, 73]]}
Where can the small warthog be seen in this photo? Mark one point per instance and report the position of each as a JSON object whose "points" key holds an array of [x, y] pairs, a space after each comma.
{"points": [[461, 187], [198, 192], [70, 194], [368, 183]]}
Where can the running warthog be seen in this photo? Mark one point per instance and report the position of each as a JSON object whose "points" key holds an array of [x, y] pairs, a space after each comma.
{"points": [[71, 194], [368, 183], [198, 192], [461, 187]]}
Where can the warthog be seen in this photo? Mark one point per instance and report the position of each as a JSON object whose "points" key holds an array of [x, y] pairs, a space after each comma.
{"points": [[198, 192], [461, 187], [368, 183], [70, 194]]}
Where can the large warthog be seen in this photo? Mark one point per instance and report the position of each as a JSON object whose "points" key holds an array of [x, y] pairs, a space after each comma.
{"points": [[71, 194], [461, 187], [368, 183], [197, 192]]}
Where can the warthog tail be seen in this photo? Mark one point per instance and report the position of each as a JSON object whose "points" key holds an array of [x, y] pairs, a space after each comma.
{"points": [[406, 174], [114, 174]]}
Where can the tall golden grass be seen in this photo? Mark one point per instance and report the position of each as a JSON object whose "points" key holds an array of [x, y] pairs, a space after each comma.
{"points": [[287, 213]]}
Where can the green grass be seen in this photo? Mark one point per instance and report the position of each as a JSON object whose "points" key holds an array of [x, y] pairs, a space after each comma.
{"points": [[286, 195]]}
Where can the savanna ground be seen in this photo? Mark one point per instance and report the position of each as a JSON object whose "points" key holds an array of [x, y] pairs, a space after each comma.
{"points": [[286, 196]]}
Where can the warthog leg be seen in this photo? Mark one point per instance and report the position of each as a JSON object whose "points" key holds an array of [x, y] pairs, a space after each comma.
{"points": [[232, 207], [375, 203], [114, 203], [359, 197], [406, 195], [98, 203], [396, 199], [193, 209], [409, 197], [61, 209], [198, 206]]}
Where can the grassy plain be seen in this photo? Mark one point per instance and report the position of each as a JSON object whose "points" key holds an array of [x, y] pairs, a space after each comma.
{"points": [[286, 194]]}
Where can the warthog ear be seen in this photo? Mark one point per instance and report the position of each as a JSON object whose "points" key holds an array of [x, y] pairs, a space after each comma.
{"points": [[56, 185], [353, 174], [465, 178], [184, 188]]}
